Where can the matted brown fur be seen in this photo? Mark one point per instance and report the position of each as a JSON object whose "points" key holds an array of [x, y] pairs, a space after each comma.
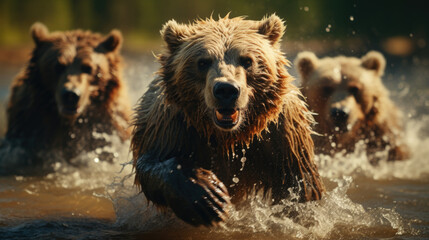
{"points": [[175, 137], [354, 86], [81, 61]]}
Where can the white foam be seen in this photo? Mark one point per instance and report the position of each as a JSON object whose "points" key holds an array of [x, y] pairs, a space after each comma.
{"points": [[357, 164]]}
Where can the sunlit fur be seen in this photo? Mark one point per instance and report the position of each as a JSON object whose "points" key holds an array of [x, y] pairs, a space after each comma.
{"points": [[173, 118], [34, 112], [355, 85]]}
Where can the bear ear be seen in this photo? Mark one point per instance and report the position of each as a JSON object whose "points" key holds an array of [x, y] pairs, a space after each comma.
{"points": [[174, 33], [39, 32], [112, 42], [272, 27], [305, 63], [375, 61]]}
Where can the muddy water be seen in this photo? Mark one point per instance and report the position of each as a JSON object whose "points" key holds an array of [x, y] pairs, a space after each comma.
{"points": [[99, 201]]}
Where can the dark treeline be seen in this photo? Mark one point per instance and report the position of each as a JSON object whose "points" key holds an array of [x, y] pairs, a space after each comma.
{"points": [[142, 19]]}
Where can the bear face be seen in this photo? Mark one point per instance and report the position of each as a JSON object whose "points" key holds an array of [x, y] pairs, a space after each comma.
{"points": [[349, 99], [75, 66], [222, 93], [71, 88], [221, 78]]}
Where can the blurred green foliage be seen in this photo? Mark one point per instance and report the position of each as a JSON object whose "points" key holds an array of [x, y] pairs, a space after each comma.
{"points": [[140, 20]]}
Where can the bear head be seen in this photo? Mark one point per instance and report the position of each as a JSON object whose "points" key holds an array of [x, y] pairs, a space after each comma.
{"points": [[78, 68], [226, 76], [344, 92]]}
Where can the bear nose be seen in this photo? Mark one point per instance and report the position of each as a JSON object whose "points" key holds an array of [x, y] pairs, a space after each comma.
{"points": [[70, 97], [339, 114], [226, 93]]}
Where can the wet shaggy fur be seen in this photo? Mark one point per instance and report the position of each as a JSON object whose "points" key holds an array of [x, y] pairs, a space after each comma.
{"points": [[183, 160], [80, 61], [352, 105]]}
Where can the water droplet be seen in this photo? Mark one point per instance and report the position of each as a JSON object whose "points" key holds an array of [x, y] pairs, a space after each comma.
{"points": [[243, 161], [179, 166], [328, 28], [337, 129], [96, 160], [352, 18], [235, 179], [411, 35], [72, 135]]}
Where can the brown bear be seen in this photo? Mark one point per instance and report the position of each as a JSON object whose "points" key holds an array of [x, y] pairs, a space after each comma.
{"points": [[351, 104], [70, 90], [222, 119]]}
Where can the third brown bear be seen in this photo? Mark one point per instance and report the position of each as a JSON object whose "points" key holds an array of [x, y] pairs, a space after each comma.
{"points": [[352, 105]]}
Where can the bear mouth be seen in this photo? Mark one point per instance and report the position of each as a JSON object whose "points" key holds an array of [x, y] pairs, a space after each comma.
{"points": [[69, 112], [226, 118]]}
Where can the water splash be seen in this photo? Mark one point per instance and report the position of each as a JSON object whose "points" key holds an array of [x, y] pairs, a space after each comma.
{"points": [[319, 219], [335, 214], [357, 163]]}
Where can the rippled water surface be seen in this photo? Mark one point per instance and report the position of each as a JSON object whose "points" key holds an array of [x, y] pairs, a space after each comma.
{"points": [[99, 201]]}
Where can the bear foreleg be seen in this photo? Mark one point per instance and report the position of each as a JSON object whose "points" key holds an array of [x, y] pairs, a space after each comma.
{"points": [[198, 199]]}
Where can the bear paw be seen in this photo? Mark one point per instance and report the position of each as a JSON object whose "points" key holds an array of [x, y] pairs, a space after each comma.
{"points": [[200, 200]]}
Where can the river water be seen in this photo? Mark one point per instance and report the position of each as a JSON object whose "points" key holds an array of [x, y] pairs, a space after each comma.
{"points": [[99, 201]]}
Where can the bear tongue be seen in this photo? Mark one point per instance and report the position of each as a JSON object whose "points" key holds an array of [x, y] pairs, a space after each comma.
{"points": [[230, 116]]}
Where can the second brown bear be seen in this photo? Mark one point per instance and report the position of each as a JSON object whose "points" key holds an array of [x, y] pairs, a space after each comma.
{"points": [[71, 89]]}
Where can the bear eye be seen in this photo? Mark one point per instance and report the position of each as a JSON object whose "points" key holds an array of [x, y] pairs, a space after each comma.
{"points": [[246, 62], [327, 91], [204, 64], [354, 90], [86, 69]]}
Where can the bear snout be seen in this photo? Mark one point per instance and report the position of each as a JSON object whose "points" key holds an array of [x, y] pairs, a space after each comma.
{"points": [[227, 105], [69, 101], [226, 93], [340, 117], [70, 98]]}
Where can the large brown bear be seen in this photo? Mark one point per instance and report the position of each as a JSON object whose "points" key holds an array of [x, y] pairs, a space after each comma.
{"points": [[222, 119], [352, 104], [71, 89]]}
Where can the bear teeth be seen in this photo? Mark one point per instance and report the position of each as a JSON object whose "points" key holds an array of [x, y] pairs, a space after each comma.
{"points": [[230, 115]]}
